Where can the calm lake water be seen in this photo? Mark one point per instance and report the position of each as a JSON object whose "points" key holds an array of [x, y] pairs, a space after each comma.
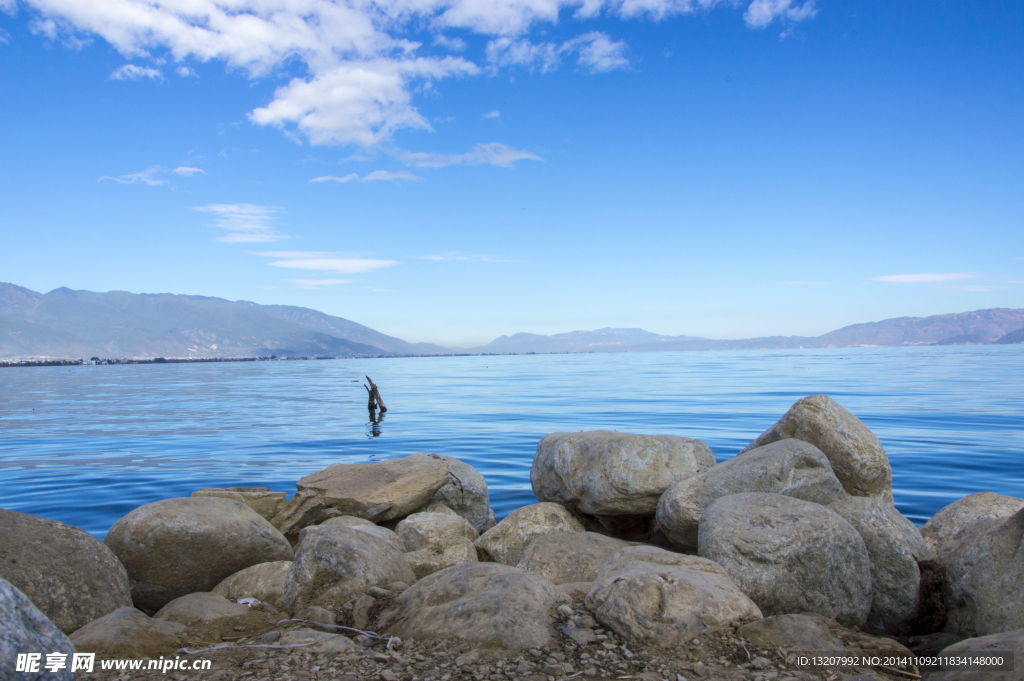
{"points": [[85, 445]]}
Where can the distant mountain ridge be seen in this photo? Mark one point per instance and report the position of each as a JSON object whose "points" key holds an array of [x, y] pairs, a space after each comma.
{"points": [[67, 324]]}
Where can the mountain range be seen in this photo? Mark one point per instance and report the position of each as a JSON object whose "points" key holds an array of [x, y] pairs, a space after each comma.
{"points": [[78, 324]]}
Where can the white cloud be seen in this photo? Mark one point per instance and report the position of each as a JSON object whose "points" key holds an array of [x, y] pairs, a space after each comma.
{"points": [[492, 114], [133, 72], [494, 153], [245, 222], [145, 177], [7, 7], [360, 68], [923, 278], [185, 72], [376, 175], [340, 265], [319, 283], [188, 172]]}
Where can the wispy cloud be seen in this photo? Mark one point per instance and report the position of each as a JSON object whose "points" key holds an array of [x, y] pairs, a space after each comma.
{"points": [[188, 172], [144, 177], [453, 44], [185, 72], [494, 153], [245, 222], [595, 51], [760, 13], [319, 283], [457, 256], [325, 262], [924, 278], [133, 72], [375, 176], [492, 114]]}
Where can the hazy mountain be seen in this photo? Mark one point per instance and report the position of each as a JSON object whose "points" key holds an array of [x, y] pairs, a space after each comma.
{"points": [[66, 323]]}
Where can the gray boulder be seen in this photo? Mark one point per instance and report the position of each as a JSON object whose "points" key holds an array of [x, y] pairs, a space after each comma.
{"points": [[857, 457], [993, 645], [895, 547], [430, 560], [25, 630], [945, 527], [434, 541], [180, 546], [260, 499], [348, 521], [652, 596], [790, 467], [69, 575], [505, 542], [480, 603], [986, 577], [789, 555], [802, 633], [335, 563], [317, 641], [465, 493], [565, 557], [264, 582], [200, 608], [606, 473], [126, 632]]}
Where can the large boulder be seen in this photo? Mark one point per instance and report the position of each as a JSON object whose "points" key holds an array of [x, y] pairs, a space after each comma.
{"points": [[69, 575], [260, 499], [25, 630], [985, 573], [179, 546], [945, 527], [335, 563], [789, 555], [857, 457], [264, 582], [806, 633], [126, 632], [200, 608], [791, 467], [653, 596], [379, 491], [565, 557], [895, 547], [505, 542], [434, 541], [465, 493], [1008, 645], [480, 603], [606, 473]]}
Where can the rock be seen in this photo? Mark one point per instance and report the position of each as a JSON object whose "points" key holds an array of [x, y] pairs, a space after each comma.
{"points": [[606, 473], [180, 546], [789, 555], [335, 562], [260, 499], [895, 547], [465, 493], [436, 507], [361, 610], [505, 542], [429, 560], [323, 642], [26, 630], [319, 615], [986, 578], [790, 467], [199, 608], [306, 508], [471, 602], [433, 531], [581, 635], [653, 596], [126, 632], [348, 521], [945, 527], [491, 521], [993, 645], [67, 573], [379, 491], [577, 591], [857, 457], [802, 633], [381, 533], [565, 557], [264, 582]]}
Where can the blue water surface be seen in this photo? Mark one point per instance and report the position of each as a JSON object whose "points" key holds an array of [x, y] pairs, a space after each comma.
{"points": [[85, 445]]}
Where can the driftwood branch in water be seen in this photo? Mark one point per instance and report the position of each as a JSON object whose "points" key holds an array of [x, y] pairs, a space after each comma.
{"points": [[375, 399]]}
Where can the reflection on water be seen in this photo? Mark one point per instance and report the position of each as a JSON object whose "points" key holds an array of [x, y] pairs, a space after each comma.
{"points": [[85, 445]]}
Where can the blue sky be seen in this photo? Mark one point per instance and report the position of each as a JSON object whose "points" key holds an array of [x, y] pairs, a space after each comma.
{"points": [[454, 170]]}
